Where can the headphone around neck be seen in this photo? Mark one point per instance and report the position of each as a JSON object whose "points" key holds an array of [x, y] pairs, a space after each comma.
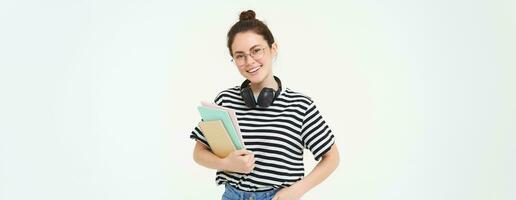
{"points": [[265, 98]]}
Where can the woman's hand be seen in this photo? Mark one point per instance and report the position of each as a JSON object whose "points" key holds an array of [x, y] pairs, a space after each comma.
{"points": [[289, 193], [241, 161], [321, 171]]}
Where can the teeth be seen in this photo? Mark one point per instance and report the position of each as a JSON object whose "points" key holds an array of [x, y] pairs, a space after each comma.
{"points": [[253, 70]]}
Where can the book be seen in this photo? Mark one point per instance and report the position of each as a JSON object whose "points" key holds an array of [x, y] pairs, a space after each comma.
{"points": [[217, 137], [232, 114], [209, 113]]}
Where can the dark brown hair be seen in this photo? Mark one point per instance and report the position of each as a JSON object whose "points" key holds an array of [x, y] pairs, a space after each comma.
{"points": [[248, 22]]}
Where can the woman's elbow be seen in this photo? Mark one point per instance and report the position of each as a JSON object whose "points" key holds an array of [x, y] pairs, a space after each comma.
{"points": [[196, 153], [333, 156]]}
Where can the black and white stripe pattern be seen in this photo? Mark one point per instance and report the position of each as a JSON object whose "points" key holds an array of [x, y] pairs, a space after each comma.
{"points": [[277, 136]]}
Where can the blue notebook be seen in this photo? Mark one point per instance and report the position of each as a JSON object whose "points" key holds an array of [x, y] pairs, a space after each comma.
{"points": [[209, 114]]}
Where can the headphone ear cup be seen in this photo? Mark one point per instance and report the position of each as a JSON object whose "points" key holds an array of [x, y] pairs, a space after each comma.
{"points": [[266, 97], [247, 95]]}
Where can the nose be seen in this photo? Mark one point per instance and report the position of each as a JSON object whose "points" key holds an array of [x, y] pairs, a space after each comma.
{"points": [[249, 60]]}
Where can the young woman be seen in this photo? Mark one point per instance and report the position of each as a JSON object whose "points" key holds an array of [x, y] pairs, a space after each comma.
{"points": [[276, 123]]}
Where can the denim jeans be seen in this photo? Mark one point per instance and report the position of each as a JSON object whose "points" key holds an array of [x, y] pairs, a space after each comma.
{"points": [[232, 193]]}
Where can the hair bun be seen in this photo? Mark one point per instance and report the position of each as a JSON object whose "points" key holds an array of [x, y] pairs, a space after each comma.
{"points": [[247, 15]]}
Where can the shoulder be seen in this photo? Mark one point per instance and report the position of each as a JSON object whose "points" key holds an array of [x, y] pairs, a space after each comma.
{"points": [[295, 95], [232, 92]]}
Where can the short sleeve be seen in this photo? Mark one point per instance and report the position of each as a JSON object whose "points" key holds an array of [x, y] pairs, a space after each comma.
{"points": [[316, 134], [199, 136]]}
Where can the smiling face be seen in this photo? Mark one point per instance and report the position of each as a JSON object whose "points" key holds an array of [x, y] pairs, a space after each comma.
{"points": [[247, 45]]}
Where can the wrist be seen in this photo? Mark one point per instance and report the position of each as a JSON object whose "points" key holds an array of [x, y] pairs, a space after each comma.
{"points": [[300, 187]]}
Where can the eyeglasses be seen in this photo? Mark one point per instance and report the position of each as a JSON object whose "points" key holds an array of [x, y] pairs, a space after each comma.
{"points": [[241, 58]]}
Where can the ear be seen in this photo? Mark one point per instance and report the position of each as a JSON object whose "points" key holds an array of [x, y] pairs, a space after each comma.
{"points": [[274, 49]]}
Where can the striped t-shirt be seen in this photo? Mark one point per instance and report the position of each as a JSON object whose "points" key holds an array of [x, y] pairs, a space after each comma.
{"points": [[277, 136]]}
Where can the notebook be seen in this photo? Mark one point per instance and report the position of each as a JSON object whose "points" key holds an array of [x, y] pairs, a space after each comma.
{"points": [[217, 137], [232, 114], [210, 114]]}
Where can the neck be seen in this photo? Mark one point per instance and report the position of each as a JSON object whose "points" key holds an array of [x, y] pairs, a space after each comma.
{"points": [[269, 82]]}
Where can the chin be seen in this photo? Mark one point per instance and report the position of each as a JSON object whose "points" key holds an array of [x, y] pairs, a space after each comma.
{"points": [[256, 79]]}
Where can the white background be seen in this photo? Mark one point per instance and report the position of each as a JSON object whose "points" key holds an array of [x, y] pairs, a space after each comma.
{"points": [[98, 97]]}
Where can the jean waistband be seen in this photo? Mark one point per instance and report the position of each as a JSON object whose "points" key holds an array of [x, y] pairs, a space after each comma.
{"points": [[243, 191]]}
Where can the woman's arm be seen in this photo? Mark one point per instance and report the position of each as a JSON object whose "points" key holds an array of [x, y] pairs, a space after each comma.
{"points": [[321, 171], [238, 161]]}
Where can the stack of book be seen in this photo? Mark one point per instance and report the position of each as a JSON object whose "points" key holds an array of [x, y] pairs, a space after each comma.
{"points": [[220, 128]]}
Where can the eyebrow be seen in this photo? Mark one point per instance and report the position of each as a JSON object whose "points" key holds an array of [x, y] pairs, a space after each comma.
{"points": [[249, 49]]}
